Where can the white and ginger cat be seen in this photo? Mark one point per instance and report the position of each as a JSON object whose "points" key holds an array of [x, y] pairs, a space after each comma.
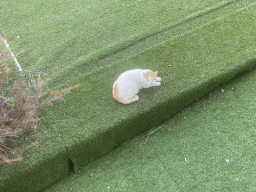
{"points": [[130, 82]]}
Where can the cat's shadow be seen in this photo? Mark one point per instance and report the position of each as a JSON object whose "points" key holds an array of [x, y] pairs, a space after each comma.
{"points": [[147, 93]]}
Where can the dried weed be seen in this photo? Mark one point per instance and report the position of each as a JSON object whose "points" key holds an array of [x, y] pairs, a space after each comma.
{"points": [[19, 108]]}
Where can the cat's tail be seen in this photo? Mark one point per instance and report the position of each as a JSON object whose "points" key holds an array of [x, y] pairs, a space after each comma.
{"points": [[120, 100]]}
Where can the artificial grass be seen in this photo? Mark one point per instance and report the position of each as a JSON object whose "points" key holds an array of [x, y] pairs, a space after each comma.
{"points": [[207, 146], [217, 138], [139, 42], [61, 35], [130, 167], [90, 123], [42, 165]]}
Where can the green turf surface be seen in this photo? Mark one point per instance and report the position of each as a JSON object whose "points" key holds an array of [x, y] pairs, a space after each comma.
{"points": [[63, 34], [91, 122], [42, 164], [207, 146], [208, 51]]}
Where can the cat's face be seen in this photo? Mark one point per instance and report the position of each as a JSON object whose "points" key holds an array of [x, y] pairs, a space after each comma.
{"points": [[150, 75]]}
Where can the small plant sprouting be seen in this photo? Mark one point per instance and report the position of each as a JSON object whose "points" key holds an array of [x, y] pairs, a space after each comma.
{"points": [[8, 100]]}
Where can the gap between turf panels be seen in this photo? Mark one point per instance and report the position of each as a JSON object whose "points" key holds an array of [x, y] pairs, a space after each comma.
{"points": [[71, 164]]}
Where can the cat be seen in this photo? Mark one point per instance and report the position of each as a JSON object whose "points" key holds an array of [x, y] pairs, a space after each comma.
{"points": [[130, 82]]}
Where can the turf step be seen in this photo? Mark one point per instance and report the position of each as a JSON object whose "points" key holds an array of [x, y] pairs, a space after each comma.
{"points": [[200, 148], [90, 123]]}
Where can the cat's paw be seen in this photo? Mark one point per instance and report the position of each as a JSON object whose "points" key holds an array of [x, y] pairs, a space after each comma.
{"points": [[157, 84], [158, 79], [136, 97]]}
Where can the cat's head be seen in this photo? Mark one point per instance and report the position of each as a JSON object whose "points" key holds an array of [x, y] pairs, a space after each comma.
{"points": [[150, 75]]}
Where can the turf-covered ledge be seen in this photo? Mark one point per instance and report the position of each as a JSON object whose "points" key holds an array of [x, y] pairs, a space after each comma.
{"points": [[92, 123], [41, 166], [98, 135], [141, 116]]}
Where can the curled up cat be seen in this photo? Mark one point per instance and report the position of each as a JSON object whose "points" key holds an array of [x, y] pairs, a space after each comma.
{"points": [[130, 82]]}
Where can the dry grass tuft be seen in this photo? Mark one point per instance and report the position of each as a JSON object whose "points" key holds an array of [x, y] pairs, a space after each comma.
{"points": [[19, 108]]}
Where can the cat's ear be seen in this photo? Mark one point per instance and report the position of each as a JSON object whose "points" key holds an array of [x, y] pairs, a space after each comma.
{"points": [[156, 73]]}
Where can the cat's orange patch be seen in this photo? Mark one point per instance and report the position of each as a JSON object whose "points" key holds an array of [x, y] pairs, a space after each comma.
{"points": [[150, 74], [115, 93], [119, 99]]}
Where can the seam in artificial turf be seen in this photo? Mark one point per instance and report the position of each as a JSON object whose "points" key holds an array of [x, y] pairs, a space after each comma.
{"points": [[71, 165]]}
